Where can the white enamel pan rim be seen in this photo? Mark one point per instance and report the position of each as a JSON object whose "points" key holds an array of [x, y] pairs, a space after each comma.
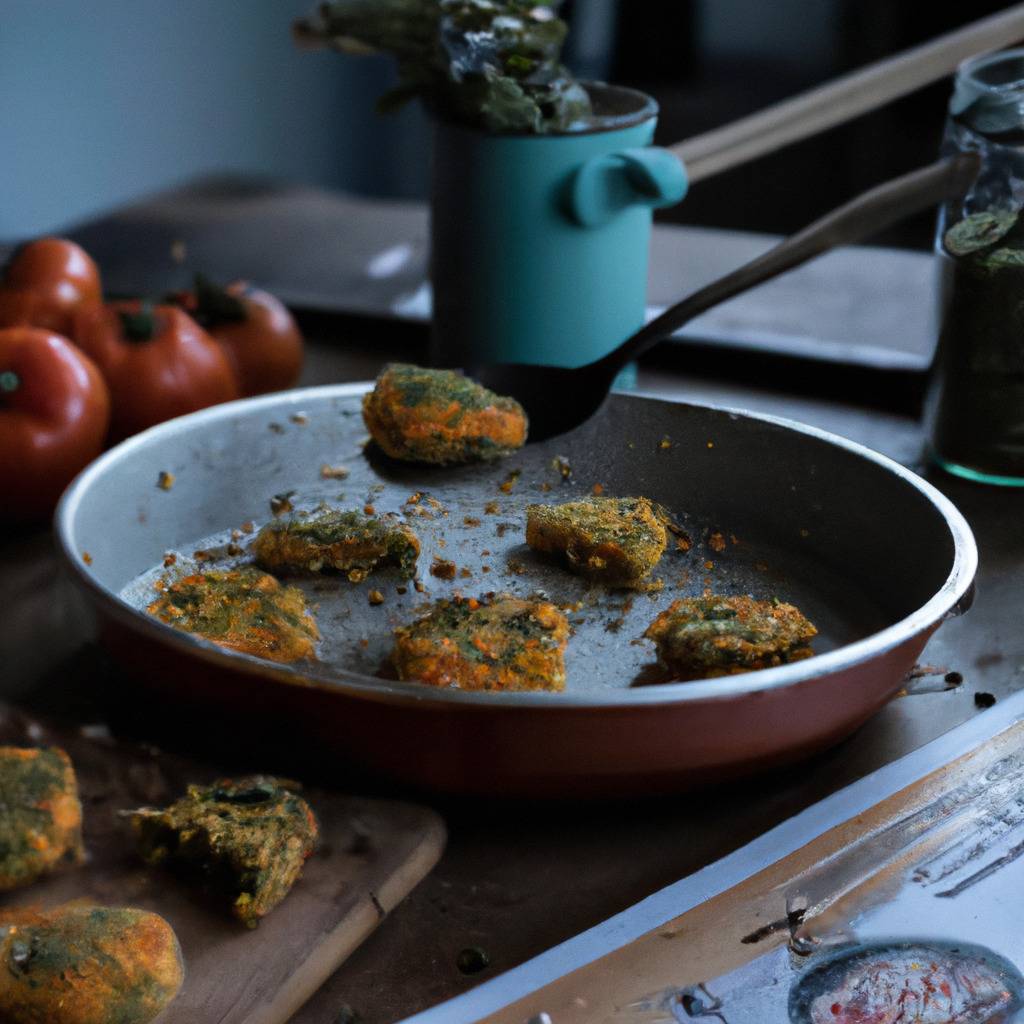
{"points": [[943, 603]]}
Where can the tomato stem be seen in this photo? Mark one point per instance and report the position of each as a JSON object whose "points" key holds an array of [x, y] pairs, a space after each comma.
{"points": [[215, 305], [9, 382], [139, 325]]}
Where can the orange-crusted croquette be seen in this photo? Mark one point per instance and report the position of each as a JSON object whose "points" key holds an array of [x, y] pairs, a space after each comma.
{"points": [[617, 541], [85, 964], [495, 643], [441, 417], [706, 637], [244, 840], [241, 609], [40, 814], [351, 542]]}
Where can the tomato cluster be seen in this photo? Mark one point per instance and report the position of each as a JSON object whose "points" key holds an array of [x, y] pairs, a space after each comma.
{"points": [[76, 371]]}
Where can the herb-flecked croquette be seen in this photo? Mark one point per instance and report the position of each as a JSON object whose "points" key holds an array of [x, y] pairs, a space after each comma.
{"points": [[617, 541], [496, 643], [85, 964], [245, 840], [40, 814], [351, 542], [241, 609], [441, 417], [705, 637]]}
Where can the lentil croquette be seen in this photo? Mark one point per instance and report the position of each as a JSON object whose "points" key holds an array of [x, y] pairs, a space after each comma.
{"points": [[617, 541], [440, 417], [705, 637], [84, 964], [497, 643], [241, 609], [351, 542], [40, 814], [245, 840]]}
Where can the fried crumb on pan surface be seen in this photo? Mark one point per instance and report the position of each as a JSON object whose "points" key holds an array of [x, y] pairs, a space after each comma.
{"points": [[85, 964], [244, 840], [348, 541], [41, 823], [242, 610], [617, 541], [495, 643], [706, 637], [441, 417]]}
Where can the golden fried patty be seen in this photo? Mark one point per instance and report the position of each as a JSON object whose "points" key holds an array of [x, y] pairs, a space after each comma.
{"points": [[497, 643], [704, 637], [617, 541], [85, 964], [40, 814], [244, 840], [350, 542], [241, 609], [440, 416]]}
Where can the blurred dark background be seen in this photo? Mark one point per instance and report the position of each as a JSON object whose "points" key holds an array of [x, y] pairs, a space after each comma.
{"points": [[104, 102], [711, 61]]}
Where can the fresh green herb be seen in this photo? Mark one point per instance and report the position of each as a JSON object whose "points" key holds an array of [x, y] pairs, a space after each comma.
{"points": [[979, 231], [492, 64]]}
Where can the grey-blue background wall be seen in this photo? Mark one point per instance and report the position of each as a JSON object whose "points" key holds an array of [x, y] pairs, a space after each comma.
{"points": [[102, 101], [105, 100]]}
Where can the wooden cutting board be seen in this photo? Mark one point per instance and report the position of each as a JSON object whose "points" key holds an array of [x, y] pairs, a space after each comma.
{"points": [[371, 855]]}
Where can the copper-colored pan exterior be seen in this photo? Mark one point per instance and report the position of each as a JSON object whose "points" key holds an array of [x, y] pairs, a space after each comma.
{"points": [[886, 534]]}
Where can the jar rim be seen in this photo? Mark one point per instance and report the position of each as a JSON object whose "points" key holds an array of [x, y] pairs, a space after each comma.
{"points": [[970, 72]]}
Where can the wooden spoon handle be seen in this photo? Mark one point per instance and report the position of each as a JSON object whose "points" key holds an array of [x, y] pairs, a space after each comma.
{"points": [[860, 218], [846, 97]]}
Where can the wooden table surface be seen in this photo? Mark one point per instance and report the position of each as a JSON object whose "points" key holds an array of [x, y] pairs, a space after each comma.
{"points": [[517, 879]]}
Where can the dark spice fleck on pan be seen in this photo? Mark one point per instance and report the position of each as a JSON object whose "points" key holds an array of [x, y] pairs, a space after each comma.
{"points": [[281, 503], [984, 700], [443, 569], [472, 960]]}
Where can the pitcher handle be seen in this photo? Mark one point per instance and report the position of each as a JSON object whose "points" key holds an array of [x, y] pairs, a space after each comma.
{"points": [[605, 185]]}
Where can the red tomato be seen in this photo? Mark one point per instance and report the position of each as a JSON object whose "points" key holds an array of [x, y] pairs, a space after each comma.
{"points": [[255, 330], [45, 282], [54, 415], [158, 362]]}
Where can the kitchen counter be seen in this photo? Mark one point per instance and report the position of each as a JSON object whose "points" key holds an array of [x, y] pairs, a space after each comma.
{"points": [[519, 878]]}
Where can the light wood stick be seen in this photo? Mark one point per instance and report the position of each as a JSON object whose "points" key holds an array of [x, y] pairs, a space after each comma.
{"points": [[846, 97]]}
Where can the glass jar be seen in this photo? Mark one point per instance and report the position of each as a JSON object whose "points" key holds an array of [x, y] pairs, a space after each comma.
{"points": [[976, 398]]}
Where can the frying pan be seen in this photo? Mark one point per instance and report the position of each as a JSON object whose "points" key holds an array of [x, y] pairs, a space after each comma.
{"points": [[875, 556]]}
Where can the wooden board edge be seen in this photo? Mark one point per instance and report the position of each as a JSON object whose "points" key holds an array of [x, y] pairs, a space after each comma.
{"points": [[355, 927]]}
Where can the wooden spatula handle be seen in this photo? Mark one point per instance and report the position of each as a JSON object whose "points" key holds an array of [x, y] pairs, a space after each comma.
{"points": [[846, 97]]}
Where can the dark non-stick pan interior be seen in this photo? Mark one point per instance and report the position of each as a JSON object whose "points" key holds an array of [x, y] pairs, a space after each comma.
{"points": [[769, 510]]}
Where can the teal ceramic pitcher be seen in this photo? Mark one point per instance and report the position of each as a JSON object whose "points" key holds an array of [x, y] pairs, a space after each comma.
{"points": [[539, 243]]}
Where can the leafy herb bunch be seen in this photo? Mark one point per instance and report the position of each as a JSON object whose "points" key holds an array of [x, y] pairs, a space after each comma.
{"points": [[490, 64]]}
